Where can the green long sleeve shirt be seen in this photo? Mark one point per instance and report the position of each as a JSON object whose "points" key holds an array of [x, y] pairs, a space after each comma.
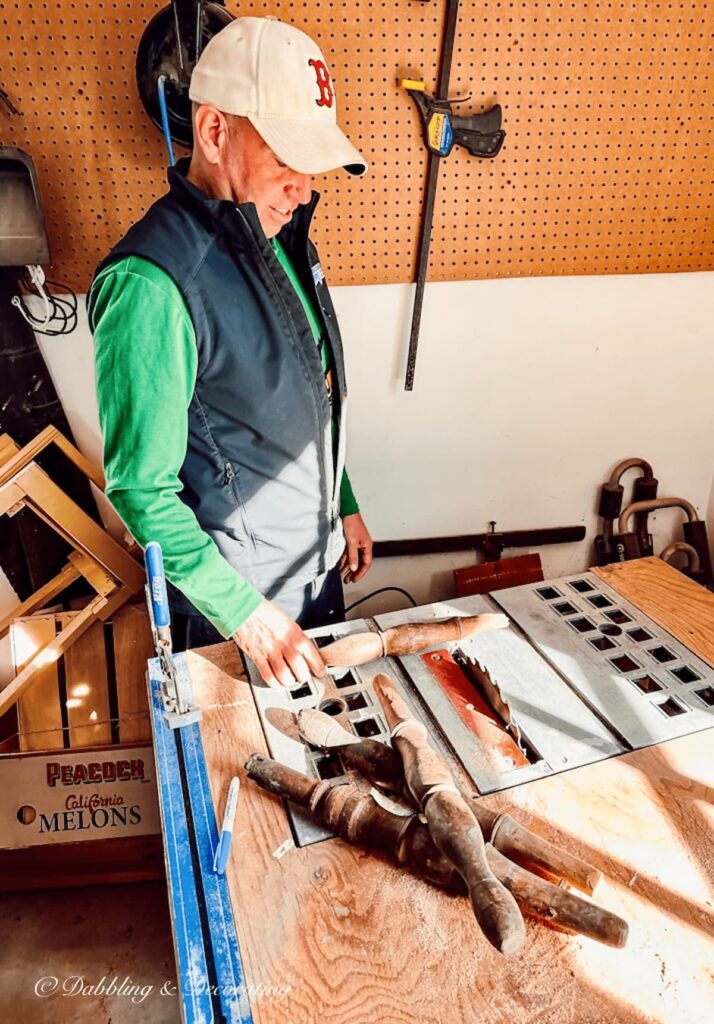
{"points": [[146, 366]]}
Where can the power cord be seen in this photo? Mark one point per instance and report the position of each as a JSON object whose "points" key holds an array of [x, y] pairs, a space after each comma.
{"points": [[60, 313], [383, 590]]}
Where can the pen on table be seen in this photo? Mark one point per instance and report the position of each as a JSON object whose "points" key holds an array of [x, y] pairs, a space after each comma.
{"points": [[224, 842]]}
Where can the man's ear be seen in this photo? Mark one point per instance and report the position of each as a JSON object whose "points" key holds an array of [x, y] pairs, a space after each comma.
{"points": [[210, 132]]}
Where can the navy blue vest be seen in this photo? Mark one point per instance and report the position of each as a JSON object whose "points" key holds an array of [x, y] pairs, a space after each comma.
{"points": [[261, 473]]}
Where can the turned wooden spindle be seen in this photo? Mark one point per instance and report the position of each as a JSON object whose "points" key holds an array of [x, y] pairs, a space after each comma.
{"points": [[382, 766], [359, 819], [451, 821], [409, 638]]}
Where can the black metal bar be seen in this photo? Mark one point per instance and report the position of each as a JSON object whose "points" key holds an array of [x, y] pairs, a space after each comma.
{"points": [[422, 265], [475, 541], [185, 24], [447, 53], [447, 49], [199, 29]]}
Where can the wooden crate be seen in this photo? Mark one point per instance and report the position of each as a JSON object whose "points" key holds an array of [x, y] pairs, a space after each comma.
{"points": [[96, 693], [78, 798]]}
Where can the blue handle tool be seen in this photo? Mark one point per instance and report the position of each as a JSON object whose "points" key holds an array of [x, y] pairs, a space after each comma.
{"points": [[158, 601], [153, 559]]}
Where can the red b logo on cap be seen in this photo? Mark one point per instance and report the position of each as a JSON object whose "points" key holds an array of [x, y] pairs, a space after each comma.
{"points": [[323, 83]]}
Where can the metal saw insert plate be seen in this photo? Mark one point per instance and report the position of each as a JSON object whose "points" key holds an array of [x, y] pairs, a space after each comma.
{"points": [[638, 678], [581, 675]]}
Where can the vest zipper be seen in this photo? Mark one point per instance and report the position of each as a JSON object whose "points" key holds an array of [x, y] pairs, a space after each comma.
{"points": [[335, 496], [229, 481], [331, 491]]}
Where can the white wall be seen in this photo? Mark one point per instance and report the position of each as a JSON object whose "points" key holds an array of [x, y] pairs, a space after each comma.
{"points": [[527, 392]]}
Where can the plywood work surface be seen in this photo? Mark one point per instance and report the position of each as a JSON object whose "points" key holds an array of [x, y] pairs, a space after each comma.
{"points": [[335, 934], [681, 606]]}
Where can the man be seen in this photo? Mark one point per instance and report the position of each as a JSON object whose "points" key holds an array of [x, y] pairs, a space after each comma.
{"points": [[220, 374]]}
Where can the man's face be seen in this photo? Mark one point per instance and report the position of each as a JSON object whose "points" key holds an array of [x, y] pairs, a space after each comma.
{"points": [[255, 175]]}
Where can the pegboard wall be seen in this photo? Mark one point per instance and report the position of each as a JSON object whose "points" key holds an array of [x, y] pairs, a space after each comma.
{"points": [[606, 168]]}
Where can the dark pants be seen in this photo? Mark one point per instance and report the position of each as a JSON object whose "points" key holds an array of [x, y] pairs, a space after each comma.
{"points": [[320, 603]]}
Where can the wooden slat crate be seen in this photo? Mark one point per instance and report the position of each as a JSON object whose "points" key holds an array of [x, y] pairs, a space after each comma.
{"points": [[96, 693], [77, 794]]}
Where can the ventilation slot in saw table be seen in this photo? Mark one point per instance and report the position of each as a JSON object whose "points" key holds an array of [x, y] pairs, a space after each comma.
{"points": [[635, 676]]}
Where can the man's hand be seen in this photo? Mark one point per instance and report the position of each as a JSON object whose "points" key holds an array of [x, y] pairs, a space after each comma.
{"points": [[282, 653], [357, 556]]}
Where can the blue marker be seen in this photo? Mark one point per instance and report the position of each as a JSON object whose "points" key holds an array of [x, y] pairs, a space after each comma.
{"points": [[224, 843]]}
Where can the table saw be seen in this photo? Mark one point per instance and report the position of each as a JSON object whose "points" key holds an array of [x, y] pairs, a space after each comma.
{"points": [[604, 682]]}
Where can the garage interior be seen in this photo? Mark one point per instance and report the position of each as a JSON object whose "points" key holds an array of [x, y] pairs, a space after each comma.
{"points": [[526, 319]]}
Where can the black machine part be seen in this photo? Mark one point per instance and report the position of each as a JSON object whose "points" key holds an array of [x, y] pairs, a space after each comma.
{"points": [[170, 46], [480, 134], [695, 534], [610, 507], [693, 563], [644, 489], [625, 544], [492, 544], [23, 239]]}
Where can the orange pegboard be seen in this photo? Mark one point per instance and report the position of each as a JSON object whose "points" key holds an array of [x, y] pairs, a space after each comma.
{"points": [[606, 168]]}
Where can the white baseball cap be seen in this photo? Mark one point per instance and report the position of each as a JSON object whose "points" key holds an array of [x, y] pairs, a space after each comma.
{"points": [[276, 76]]}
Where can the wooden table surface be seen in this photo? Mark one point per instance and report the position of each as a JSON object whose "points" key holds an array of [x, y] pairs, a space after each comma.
{"points": [[334, 934]]}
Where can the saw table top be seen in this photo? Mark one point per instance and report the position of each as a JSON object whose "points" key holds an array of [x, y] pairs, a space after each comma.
{"points": [[332, 933]]}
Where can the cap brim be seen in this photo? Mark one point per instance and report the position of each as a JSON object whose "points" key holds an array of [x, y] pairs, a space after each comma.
{"points": [[308, 146]]}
